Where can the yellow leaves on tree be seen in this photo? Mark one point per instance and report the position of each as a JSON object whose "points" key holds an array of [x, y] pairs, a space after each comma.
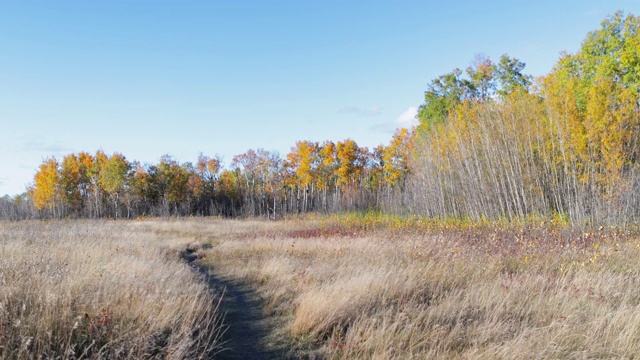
{"points": [[45, 189], [327, 165], [113, 177], [303, 159], [350, 162], [569, 145], [75, 179], [593, 98], [395, 157]]}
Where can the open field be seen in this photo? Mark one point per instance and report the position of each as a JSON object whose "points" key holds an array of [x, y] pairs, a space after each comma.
{"points": [[99, 289], [339, 287], [344, 292], [497, 217]]}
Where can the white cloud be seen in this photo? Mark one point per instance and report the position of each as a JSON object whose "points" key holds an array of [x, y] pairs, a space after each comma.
{"points": [[408, 118], [405, 120]]}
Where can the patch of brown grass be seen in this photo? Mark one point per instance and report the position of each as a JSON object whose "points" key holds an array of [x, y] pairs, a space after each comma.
{"points": [[526, 292], [99, 289]]}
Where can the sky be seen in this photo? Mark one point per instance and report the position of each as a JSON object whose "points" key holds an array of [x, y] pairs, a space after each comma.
{"points": [[148, 78]]}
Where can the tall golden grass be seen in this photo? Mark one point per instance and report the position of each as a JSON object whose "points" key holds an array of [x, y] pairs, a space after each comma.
{"points": [[98, 289], [487, 293], [91, 289]]}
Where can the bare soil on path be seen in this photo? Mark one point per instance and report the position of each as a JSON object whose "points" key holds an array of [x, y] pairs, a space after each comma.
{"points": [[247, 331]]}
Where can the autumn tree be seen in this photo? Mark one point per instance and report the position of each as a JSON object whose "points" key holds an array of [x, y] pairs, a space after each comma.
{"points": [[246, 165], [114, 178], [203, 180], [229, 197], [593, 98], [350, 159], [46, 189], [484, 79], [140, 194], [326, 172], [271, 166], [172, 182], [482, 83], [72, 180], [377, 165], [94, 173], [395, 158], [568, 145], [304, 159]]}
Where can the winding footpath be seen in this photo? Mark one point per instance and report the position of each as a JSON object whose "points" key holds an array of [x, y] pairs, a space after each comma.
{"points": [[246, 333]]}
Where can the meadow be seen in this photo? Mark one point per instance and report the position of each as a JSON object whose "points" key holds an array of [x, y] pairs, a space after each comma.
{"points": [[100, 289], [534, 183], [338, 287], [383, 288]]}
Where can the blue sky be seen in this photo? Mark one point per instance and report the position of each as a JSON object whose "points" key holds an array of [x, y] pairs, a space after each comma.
{"points": [[147, 78]]}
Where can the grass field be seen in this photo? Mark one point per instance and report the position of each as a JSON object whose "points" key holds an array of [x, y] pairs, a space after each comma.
{"points": [[354, 290], [348, 289], [98, 289]]}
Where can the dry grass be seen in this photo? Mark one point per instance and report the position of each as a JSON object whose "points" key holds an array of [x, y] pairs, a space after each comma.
{"points": [[480, 293], [344, 290], [89, 289]]}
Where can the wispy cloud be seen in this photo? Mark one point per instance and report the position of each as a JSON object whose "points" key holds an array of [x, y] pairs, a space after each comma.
{"points": [[356, 110], [593, 12], [38, 143], [405, 120]]}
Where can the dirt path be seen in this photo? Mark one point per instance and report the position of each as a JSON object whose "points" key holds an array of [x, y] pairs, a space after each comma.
{"points": [[247, 332]]}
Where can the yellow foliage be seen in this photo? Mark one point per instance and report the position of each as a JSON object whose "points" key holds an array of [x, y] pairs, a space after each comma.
{"points": [[46, 180]]}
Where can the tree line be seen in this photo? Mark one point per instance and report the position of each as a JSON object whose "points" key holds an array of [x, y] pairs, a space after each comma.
{"points": [[492, 143], [314, 176], [497, 144]]}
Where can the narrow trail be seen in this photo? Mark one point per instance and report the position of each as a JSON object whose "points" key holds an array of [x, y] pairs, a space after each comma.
{"points": [[247, 332]]}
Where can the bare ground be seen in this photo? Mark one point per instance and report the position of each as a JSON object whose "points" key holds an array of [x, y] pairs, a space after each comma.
{"points": [[248, 332]]}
